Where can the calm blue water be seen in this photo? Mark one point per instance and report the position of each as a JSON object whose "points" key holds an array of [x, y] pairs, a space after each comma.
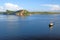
{"points": [[32, 27]]}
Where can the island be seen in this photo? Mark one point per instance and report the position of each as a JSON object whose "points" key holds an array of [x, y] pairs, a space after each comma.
{"points": [[25, 12]]}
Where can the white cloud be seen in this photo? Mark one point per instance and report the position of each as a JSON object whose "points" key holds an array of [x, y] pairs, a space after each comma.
{"points": [[56, 7], [2, 8], [52, 6], [10, 6]]}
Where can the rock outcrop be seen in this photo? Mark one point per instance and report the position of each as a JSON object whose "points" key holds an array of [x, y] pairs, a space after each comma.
{"points": [[22, 12]]}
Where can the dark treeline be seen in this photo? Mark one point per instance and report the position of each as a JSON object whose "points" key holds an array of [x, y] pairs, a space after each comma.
{"points": [[8, 12]]}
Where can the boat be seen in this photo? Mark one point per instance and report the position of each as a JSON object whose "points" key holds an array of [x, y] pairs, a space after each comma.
{"points": [[51, 24]]}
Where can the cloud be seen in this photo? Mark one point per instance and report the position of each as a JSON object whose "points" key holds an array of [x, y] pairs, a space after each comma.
{"points": [[10, 6], [52, 6], [56, 7], [1, 8]]}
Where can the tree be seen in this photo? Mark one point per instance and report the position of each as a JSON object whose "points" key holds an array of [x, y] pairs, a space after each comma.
{"points": [[9, 12]]}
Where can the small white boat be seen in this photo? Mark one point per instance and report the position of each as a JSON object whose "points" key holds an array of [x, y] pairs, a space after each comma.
{"points": [[51, 24]]}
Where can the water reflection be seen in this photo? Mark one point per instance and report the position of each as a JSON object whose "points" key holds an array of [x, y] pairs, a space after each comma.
{"points": [[50, 27], [3, 17], [12, 18], [8, 18]]}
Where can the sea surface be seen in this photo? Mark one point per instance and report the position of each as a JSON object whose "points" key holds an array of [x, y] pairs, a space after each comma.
{"points": [[33, 27]]}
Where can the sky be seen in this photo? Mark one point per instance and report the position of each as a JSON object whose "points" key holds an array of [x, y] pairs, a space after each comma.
{"points": [[30, 5]]}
